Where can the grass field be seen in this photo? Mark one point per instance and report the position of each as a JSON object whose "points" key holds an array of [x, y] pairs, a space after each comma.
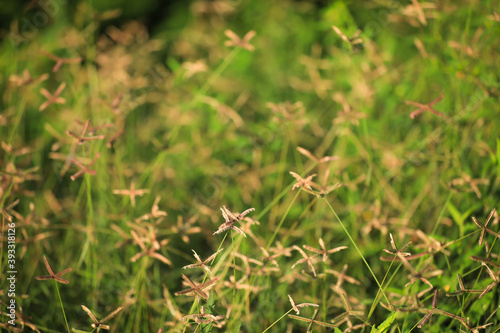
{"points": [[358, 140]]}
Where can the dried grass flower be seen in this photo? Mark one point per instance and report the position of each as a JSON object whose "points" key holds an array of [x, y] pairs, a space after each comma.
{"points": [[231, 218], [236, 41], [53, 276]]}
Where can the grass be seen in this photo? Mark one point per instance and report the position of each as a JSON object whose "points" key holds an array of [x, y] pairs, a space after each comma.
{"points": [[358, 141]]}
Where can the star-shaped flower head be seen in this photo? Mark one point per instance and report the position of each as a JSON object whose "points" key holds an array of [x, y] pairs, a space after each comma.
{"points": [[231, 218], [236, 41]]}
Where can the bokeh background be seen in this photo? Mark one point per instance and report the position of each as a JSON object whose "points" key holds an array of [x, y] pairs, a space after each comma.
{"points": [[204, 104]]}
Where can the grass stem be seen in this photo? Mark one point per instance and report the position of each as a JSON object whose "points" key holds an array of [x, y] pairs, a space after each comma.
{"points": [[359, 251], [62, 307]]}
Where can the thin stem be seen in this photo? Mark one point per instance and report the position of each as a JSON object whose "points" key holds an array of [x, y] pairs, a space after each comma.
{"points": [[368, 150], [18, 118], [277, 320], [216, 74], [62, 307], [234, 266], [441, 213], [279, 196], [377, 297], [213, 260], [140, 285], [218, 71], [282, 220], [254, 278], [279, 181], [359, 251], [205, 276]]}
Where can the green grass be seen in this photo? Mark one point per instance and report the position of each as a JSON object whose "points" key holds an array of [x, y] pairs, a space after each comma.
{"points": [[202, 125]]}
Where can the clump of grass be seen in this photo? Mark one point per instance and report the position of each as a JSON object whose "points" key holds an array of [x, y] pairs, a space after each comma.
{"points": [[215, 114]]}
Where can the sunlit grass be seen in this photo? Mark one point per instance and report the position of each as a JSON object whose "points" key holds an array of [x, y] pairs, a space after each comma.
{"points": [[351, 130]]}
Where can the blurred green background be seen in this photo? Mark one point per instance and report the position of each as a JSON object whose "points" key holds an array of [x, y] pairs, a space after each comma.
{"points": [[203, 123]]}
